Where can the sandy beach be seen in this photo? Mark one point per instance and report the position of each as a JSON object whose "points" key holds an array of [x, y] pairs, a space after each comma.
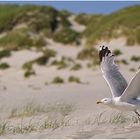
{"points": [[70, 108]]}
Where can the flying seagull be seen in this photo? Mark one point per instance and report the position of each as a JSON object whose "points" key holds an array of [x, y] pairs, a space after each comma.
{"points": [[124, 96]]}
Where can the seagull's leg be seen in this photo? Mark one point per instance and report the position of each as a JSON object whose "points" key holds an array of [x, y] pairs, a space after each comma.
{"points": [[138, 115]]}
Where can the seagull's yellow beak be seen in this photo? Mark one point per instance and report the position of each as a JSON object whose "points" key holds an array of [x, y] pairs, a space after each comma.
{"points": [[98, 102]]}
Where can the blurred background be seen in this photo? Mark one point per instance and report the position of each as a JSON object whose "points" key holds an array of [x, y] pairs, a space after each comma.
{"points": [[49, 66]]}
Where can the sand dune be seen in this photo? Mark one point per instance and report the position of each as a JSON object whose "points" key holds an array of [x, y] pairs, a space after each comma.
{"points": [[81, 121]]}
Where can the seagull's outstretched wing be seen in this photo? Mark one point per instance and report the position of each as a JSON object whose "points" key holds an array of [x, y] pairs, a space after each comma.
{"points": [[133, 89], [113, 77]]}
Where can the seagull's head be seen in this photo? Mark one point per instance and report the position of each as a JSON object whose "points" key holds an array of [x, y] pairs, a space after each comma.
{"points": [[106, 101]]}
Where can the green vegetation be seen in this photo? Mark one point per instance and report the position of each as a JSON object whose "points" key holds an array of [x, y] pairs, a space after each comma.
{"points": [[47, 54], [16, 39], [88, 53], [40, 42], [57, 80], [27, 65], [48, 22], [3, 127], [118, 118], [65, 62], [4, 66], [21, 39], [124, 22], [117, 52], [29, 73], [76, 67], [4, 53], [43, 20], [25, 126], [66, 36], [73, 79], [60, 64], [93, 63], [135, 58], [124, 62], [42, 60], [34, 109], [85, 19], [11, 15]]}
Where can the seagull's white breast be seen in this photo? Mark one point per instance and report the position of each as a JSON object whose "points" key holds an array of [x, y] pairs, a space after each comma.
{"points": [[123, 106]]}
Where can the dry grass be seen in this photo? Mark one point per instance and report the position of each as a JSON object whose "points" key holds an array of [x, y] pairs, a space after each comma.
{"points": [[49, 122], [28, 127], [27, 118], [115, 118], [35, 109]]}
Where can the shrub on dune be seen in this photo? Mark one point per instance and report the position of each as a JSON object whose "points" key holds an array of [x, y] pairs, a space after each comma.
{"points": [[5, 53], [76, 67], [117, 52], [57, 80], [66, 36], [29, 73], [27, 65], [60, 64], [49, 53], [87, 53], [4, 66], [73, 79], [40, 42], [16, 39], [124, 62], [135, 58]]}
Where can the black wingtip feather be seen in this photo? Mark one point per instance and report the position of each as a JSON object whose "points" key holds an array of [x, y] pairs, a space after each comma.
{"points": [[103, 51]]}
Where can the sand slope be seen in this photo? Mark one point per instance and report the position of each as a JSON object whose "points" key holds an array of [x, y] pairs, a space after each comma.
{"points": [[16, 91]]}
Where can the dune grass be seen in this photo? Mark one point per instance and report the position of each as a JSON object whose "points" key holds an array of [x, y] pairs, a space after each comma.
{"points": [[5, 53], [76, 67], [4, 66], [41, 60], [117, 52], [54, 122], [51, 121], [34, 109], [114, 26], [29, 73], [66, 36], [65, 62], [88, 54], [135, 58], [16, 39], [115, 118], [62, 64], [74, 79], [28, 127], [57, 80]]}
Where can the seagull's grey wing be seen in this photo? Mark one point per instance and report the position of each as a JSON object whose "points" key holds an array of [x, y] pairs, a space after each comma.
{"points": [[111, 74], [133, 89]]}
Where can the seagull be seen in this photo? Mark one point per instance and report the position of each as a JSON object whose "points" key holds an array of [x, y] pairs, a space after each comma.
{"points": [[124, 96]]}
